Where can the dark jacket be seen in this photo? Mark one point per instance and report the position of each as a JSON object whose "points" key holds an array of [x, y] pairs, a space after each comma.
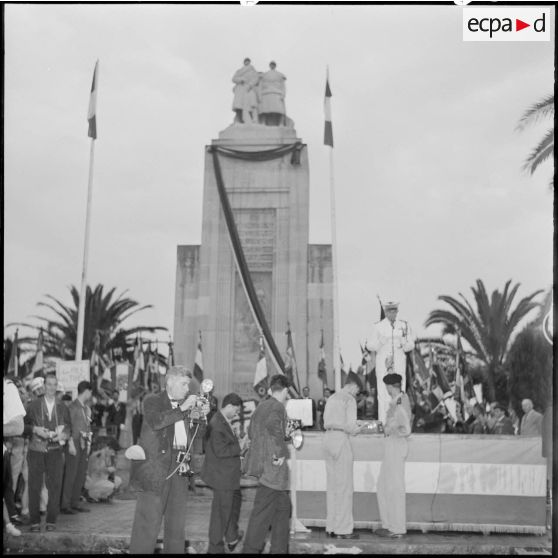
{"points": [[503, 426], [221, 468], [267, 431], [156, 439], [79, 420], [37, 415]]}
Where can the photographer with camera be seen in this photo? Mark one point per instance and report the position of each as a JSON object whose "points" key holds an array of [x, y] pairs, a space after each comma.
{"points": [[267, 459], [161, 478]]}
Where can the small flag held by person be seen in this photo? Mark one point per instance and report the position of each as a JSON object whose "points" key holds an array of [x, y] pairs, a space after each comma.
{"points": [[328, 130], [260, 377], [198, 362], [170, 361], [92, 112]]}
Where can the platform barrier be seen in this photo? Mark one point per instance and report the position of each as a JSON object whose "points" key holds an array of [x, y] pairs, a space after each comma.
{"points": [[454, 482]]}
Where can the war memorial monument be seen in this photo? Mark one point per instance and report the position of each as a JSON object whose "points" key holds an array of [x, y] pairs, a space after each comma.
{"points": [[263, 167]]}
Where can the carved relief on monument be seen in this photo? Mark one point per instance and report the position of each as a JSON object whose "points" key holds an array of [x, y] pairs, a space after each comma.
{"points": [[256, 228]]}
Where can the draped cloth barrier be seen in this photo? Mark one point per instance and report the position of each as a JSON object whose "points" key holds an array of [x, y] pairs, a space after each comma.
{"points": [[238, 252], [453, 482]]}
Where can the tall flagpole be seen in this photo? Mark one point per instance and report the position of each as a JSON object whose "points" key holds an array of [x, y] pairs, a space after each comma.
{"points": [[328, 140], [336, 344], [93, 135]]}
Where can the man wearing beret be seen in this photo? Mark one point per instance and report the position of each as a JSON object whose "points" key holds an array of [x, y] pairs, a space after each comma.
{"points": [[391, 339], [391, 481], [340, 422]]}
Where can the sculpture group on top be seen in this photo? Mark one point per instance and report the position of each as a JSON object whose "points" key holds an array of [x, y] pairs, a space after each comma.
{"points": [[259, 97]]}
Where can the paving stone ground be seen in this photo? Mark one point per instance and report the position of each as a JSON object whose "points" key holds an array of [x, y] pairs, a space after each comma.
{"points": [[107, 528]]}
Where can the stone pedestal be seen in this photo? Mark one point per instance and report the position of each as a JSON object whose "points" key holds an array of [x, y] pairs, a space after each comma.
{"points": [[270, 201]]}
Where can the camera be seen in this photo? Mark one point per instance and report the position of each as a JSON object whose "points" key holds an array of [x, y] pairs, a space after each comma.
{"points": [[183, 458], [201, 408]]}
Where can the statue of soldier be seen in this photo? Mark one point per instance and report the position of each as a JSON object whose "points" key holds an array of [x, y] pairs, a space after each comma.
{"points": [[245, 101], [272, 97], [390, 340]]}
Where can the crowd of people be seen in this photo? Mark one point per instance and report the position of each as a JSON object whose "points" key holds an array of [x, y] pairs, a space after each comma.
{"points": [[53, 464]]}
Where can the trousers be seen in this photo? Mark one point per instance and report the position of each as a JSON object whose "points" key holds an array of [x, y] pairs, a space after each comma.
{"points": [[391, 485], [339, 472], [75, 471], [223, 521], [151, 508], [51, 465], [272, 508]]}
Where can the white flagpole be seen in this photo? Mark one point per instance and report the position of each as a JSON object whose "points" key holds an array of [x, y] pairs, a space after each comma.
{"points": [[81, 310], [336, 357], [92, 118], [334, 262]]}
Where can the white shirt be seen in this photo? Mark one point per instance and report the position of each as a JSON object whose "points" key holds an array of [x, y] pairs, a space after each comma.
{"points": [[49, 407], [13, 407], [180, 436]]}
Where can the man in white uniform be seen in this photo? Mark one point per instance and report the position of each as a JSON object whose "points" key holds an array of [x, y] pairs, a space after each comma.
{"points": [[391, 339]]}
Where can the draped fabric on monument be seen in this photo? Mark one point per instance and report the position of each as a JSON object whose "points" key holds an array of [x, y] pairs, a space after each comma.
{"points": [[266, 155], [238, 251], [453, 482]]}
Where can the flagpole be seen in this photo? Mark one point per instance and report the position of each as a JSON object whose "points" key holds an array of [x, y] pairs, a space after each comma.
{"points": [[81, 309], [336, 370]]}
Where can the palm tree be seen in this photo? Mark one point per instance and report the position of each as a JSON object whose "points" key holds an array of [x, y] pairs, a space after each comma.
{"points": [[488, 328], [104, 317], [545, 149]]}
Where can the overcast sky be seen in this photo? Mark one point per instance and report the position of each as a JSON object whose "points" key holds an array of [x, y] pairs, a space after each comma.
{"points": [[430, 191]]}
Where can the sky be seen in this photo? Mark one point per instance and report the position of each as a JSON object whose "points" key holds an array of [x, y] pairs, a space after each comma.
{"points": [[429, 187]]}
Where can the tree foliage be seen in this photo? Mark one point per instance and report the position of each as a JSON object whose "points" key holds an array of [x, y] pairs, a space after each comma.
{"points": [[488, 326], [105, 314], [529, 364]]}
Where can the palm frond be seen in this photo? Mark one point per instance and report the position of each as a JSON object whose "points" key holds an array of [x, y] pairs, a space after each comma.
{"points": [[541, 109], [541, 153]]}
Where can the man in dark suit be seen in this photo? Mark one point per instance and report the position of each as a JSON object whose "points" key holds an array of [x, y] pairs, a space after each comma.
{"points": [[77, 450], [165, 436], [221, 471], [267, 460]]}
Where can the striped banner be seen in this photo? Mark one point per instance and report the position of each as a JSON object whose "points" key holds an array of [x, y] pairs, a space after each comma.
{"points": [[453, 482]]}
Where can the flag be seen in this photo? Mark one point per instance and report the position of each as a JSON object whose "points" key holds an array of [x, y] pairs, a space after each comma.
{"points": [[423, 372], [342, 369], [95, 359], [148, 376], [13, 366], [409, 377], [322, 371], [365, 355], [458, 372], [328, 130], [382, 313], [198, 362], [39, 357], [139, 363], [260, 377], [290, 361], [92, 112], [170, 361]]}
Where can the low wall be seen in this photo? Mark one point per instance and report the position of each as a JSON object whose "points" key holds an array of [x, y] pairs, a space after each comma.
{"points": [[453, 482]]}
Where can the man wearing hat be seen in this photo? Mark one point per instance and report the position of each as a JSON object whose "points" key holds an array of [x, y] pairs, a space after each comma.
{"points": [[340, 422], [390, 340], [391, 481]]}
